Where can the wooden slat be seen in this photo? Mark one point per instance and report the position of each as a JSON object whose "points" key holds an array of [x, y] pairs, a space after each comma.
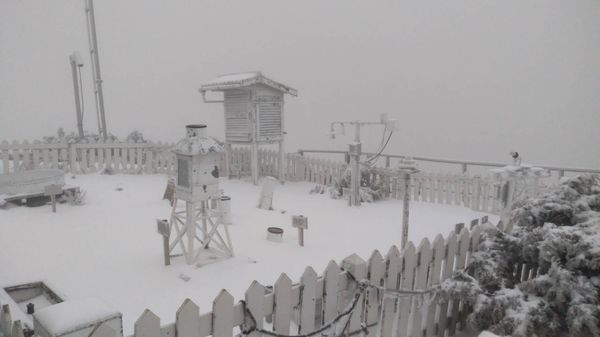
{"points": [[283, 305], [101, 330], [255, 298], [355, 265], [308, 301], [331, 279], [409, 258], [461, 257], [187, 319], [438, 252], [394, 266], [376, 276], [6, 320], [222, 318], [148, 325], [423, 260], [446, 273]]}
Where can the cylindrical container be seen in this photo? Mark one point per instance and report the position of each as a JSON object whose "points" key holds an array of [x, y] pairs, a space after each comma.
{"points": [[225, 210], [30, 308], [275, 234], [196, 130]]}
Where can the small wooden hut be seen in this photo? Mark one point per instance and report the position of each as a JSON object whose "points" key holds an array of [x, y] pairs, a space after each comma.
{"points": [[253, 113]]}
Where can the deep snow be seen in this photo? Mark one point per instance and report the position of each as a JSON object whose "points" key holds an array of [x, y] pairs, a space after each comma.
{"points": [[109, 247]]}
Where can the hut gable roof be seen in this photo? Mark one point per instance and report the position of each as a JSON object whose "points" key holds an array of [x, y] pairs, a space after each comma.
{"points": [[240, 80]]}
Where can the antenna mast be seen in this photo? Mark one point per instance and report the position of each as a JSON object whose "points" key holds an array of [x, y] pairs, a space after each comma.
{"points": [[91, 27], [76, 64]]}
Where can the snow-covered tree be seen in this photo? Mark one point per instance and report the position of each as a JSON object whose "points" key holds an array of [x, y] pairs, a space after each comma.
{"points": [[370, 191], [557, 235]]}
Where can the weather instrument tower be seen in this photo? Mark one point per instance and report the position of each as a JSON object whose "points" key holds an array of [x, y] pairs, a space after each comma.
{"points": [[199, 229], [355, 150]]}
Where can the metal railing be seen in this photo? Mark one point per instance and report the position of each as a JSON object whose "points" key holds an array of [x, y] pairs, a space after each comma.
{"points": [[463, 163]]}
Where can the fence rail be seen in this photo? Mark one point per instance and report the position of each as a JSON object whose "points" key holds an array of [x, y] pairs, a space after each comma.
{"points": [[473, 191], [290, 308], [87, 157], [463, 163]]}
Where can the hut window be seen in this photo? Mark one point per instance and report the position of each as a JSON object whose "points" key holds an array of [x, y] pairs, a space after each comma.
{"points": [[183, 173]]}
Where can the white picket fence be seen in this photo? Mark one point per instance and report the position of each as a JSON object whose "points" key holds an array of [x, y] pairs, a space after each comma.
{"points": [[461, 189], [290, 308], [477, 193], [87, 157]]}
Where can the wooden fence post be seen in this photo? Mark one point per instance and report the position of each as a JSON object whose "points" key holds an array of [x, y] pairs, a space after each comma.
{"points": [[389, 306], [102, 330], [376, 275], [222, 317], [148, 325], [6, 321], [255, 298], [187, 321], [357, 267], [308, 300], [331, 286]]}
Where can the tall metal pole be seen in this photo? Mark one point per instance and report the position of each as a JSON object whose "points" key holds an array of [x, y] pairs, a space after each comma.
{"points": [[75, 61], [406, 168], [93, 41], [355, 151], [405, 209]]}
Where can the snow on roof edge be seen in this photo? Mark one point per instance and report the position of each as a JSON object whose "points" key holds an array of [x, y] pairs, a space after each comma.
{"points": [[72, 315], [240, 80]]}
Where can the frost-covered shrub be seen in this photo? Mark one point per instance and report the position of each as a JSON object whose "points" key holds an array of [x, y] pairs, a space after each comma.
{"points": [[369, 190], [135, 137], [558, 237], [75, 197]]}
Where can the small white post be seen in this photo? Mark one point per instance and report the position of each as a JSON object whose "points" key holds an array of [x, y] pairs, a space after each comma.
{"points": [[300, 222], [52, 191], [165, 232]]}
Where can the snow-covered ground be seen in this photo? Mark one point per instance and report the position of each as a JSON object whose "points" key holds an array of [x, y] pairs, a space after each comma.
{"points": [[109, 247]]}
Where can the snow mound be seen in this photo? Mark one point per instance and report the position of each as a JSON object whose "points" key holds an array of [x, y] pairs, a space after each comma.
{"points": [[71, 315]]}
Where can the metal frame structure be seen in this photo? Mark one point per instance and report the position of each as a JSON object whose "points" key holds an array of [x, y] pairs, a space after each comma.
{"points": [[355, 150], [195, 213]]}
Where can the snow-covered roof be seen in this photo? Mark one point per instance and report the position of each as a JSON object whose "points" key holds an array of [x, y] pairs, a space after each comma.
{"points": [[198, 145], [240, 80], [72, 315]]}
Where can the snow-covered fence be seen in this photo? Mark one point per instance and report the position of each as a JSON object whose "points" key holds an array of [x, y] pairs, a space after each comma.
{"points": [[481, 194], [119, 157], [461, 189], [8, 327], [463, 165], [290, 308], [297, 168], [312, 303]]}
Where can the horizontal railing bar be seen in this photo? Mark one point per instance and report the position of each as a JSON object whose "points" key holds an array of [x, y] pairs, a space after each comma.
{"points": [[453, 161]]}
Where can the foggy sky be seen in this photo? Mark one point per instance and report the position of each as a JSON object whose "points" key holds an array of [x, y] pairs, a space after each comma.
{"points": [[468, 79]]}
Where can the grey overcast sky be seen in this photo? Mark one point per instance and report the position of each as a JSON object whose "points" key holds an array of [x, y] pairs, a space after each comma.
{"points": [[467, 79]]}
